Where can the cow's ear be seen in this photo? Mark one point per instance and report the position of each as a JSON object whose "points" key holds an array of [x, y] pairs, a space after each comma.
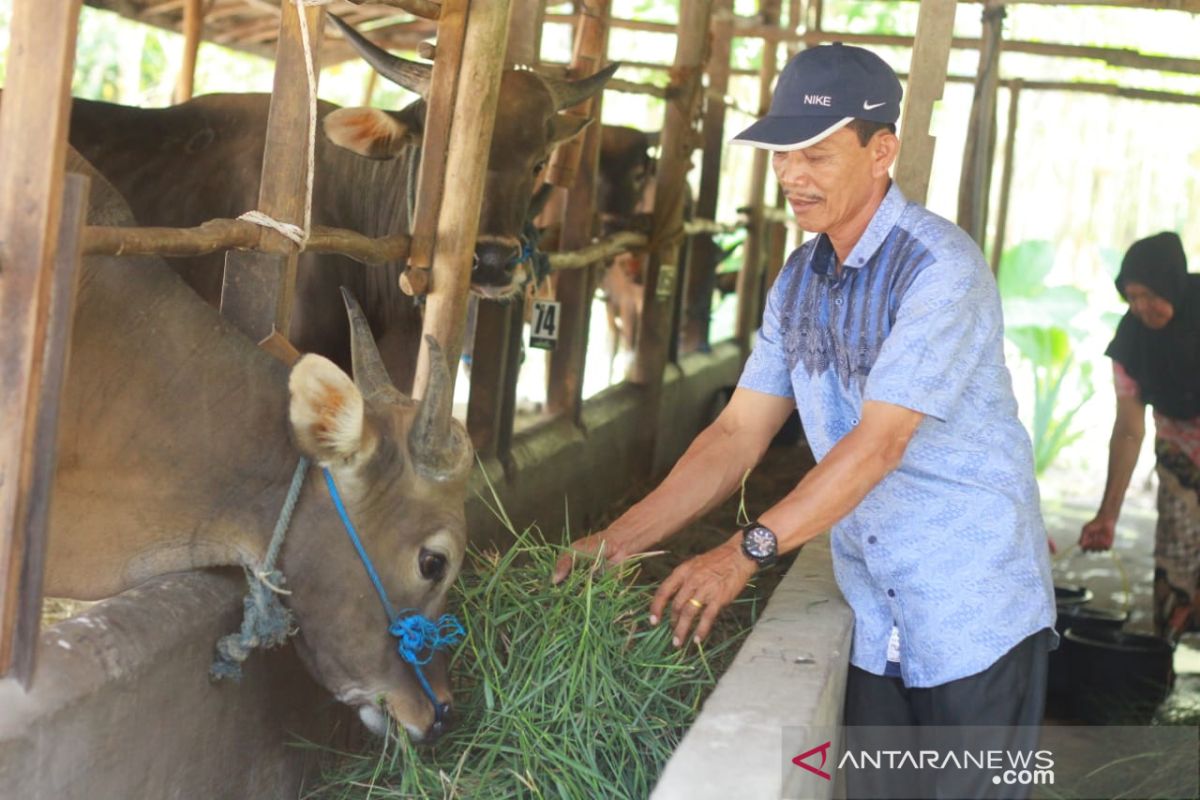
{"points": [[566, 126], [328, 416], [369, 132]]}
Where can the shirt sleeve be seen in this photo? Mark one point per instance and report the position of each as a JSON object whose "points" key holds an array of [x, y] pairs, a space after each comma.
{"points": [[946, 324], [1122, 382], [767, 369]]}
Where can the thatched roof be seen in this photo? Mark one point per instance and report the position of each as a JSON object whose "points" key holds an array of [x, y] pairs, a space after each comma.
{"points": [[252, 26]]}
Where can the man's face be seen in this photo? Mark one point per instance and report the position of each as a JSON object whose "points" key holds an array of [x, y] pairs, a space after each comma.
{"points": [[828, 184], [1153, 311]]}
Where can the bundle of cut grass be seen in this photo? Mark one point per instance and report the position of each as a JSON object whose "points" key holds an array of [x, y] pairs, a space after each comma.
{"points": [[563, 692]]}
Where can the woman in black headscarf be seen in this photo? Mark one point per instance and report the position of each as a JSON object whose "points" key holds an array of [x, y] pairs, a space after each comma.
{"points": [[1156, 362]]}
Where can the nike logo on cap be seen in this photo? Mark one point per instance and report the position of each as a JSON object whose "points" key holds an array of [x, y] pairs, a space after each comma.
{"points": [[870, 106]]}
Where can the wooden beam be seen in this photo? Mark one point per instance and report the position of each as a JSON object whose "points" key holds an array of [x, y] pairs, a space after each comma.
{"points": [[701, 271], [33, 141], [662, 279], [59, 323], [440, 105], [258, 288], [927, 80], [193, 28], [564, 390], [750, 279], [975, 180], [479, 73], [1010, 149], [426, 9], [495, 362]]}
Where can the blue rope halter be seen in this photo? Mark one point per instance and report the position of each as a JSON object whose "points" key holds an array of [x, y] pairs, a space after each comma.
{"points": [[419, 637]]}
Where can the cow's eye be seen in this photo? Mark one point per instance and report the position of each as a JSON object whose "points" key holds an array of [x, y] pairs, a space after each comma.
{"points": [[432, 564], [539, 166]]}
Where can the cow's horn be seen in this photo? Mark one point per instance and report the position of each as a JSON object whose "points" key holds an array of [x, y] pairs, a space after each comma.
{"points": [[412, 75], [439, 448], [570, 93], [370, 376]]}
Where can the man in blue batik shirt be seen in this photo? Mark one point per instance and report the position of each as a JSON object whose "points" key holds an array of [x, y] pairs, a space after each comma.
{"points": [[885, 332]]}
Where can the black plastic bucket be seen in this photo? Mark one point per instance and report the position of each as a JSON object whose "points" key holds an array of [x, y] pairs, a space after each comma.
{"points": [[1072, 595], [1116, 677], [1058, 680]]}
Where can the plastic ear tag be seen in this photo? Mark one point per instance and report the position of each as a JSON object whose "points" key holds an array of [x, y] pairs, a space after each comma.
{"points": [[666, 281], [547, 319]]}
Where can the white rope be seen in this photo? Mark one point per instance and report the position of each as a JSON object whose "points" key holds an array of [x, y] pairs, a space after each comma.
{"points": [[299, 233]]}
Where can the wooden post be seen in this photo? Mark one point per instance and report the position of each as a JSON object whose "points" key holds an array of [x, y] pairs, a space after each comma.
{"points": [[927, 79], [750, 279], [564, 391], [1010, 148], [258, 287], [495, 365], [33, 139], [193, 25], [975, 182], [702, 266], [440, 105], [466, 167], [678, 140]]}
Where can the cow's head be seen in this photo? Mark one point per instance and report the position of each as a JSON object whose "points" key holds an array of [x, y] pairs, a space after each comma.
{"points": [[626, 168], [401, 468], [529, 124]]}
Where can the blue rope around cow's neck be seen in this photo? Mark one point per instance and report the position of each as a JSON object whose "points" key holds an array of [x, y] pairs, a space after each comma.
{"points": [[266, 622], [419, 637]]}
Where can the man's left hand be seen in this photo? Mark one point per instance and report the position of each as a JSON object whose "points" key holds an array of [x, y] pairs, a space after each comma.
{"points": [[712, 580]]}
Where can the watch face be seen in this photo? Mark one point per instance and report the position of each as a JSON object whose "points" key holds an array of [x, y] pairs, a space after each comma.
{"points": [[759, 543]]}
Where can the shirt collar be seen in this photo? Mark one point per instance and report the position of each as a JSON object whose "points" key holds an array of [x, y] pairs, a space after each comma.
{"points": [[881, 224]]}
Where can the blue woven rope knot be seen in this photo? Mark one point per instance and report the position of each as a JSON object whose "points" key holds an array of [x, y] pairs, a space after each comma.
{"points": [[421, 637]]}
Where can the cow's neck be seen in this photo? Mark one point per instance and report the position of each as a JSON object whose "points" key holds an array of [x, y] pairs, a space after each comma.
{"points": [[174, 449]]}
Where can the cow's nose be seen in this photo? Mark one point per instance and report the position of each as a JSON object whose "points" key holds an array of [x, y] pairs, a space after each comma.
{"points": [[494, 264], [441, 721]]}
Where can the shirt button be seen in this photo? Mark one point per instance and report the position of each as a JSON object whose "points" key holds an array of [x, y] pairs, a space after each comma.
{"points": [[838, 301], [854, 421], [871, 540], [891, 592]]}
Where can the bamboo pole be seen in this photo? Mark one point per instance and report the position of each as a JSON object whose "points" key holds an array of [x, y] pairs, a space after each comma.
{"points": [[33, 141], [224, 234], [927, 80], [975, 181], [1010, 147], [193, 26], [575, 165], [482, 65], [426, 9], [750, 279], [701, 271]]}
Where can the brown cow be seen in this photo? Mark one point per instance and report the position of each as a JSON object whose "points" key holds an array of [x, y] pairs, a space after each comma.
{"points": [[183, 165], [178, 442]]}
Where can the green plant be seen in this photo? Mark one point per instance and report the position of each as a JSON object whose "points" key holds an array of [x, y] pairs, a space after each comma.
{"points": [[1038, 321]]}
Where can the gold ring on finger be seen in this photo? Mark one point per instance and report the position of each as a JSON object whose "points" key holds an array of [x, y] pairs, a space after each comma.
{"points": [[697, 603]]}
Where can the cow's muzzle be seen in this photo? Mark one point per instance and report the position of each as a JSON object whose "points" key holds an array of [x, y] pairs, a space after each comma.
{"points": [[495, 263]]}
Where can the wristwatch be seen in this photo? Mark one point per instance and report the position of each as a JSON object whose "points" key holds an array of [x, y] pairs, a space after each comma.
{"points": [[759, 544]]}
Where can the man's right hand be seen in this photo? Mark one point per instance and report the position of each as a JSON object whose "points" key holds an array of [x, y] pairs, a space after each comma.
{"points": [[1098, 535], [615, 551]]}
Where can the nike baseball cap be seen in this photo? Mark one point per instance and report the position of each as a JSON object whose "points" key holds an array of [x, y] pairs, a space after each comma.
{"points": [[820, 91]]}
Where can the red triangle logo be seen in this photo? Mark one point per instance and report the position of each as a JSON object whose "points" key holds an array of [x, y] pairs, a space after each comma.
{"points": [[823, 749]]}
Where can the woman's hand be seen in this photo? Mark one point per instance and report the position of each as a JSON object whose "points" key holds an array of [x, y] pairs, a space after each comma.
{"points": [[701, 587], [1098, 534]]}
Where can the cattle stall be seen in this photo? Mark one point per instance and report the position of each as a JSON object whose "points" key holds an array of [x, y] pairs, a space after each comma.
{"points": [[593, 451]]}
